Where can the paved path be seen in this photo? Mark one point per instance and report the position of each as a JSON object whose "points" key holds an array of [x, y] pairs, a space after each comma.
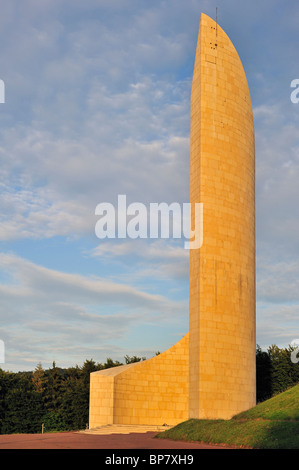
{"points": [[126, 429], [92, 440]]}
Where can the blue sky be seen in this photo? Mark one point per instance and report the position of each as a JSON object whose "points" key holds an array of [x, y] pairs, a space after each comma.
{"points": [[97, 104]]}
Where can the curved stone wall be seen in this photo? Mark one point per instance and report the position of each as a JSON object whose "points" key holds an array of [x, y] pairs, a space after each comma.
{"points": [[154, 391]]}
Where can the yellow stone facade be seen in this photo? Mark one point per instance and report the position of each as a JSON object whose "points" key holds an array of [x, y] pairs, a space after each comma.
{"points": [[222, 271], [210, 373]]}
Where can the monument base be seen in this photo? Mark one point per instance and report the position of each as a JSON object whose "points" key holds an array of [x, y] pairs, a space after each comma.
{"points": [[150, 392]]}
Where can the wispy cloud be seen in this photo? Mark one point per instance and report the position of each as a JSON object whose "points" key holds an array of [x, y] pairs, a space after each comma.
{"points": [[60, 309]]}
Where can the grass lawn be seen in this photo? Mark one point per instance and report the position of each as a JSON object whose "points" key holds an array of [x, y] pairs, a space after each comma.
{"points": [[273, 424]]}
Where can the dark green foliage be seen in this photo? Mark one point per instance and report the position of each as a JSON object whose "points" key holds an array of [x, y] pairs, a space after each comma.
{"points": [[75, 402], [22, 406], [56, 398], [284, 372], [53, 421], [52, 391], [263, 375], [110, 363], [275, 371], [131, 359]]}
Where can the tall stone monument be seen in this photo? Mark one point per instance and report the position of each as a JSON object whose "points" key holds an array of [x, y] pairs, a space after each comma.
{"points": [[222, 272], [210, 372]]}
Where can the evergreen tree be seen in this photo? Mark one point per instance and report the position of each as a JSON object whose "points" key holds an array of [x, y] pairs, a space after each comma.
{"points": [[38, 379], [110, 363], [23, 407], [263, 375], [132, 359], [75, 403], [284, 373], [59, 398], [52, 389], [5, 378]]}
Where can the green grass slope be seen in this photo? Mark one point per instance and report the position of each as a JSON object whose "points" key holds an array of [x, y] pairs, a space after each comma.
{"points": [[273, 424], [284, 406]]}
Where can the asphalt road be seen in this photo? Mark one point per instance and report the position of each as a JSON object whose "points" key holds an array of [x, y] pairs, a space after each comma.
{"points": [[74, 440]]}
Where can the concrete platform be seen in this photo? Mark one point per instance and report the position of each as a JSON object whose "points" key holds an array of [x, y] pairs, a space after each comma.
{"points": [[125, 429]]}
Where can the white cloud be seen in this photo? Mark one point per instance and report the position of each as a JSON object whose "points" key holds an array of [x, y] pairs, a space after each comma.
{"points": [[40, 280], [163, 260], [158, 249], [279, 282], [277, 324]]}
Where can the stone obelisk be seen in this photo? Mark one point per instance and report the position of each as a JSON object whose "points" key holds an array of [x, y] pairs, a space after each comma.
{"points": [[222, 272]]}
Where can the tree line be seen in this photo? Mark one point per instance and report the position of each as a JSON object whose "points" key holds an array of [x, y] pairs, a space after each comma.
{"points": [[57, 399], [275, 371]]}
